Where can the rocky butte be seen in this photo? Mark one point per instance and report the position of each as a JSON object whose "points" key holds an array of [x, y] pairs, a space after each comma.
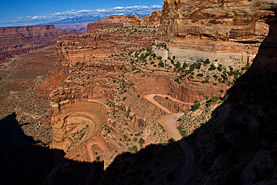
{"points": [[20, 40]]}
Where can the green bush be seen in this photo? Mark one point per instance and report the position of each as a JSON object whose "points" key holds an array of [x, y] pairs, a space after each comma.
{"points": [[161, 64], [128, 139], [133, 149], [207, 61], [219, 68], [185, 65], [200, 74], [177, 80], [214, 99], [195, 106], [182, 131], [141, 142], [224, 76], [212, 67]]}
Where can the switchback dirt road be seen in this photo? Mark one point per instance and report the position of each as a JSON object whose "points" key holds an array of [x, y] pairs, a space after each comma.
{"points": [[169, 124]]}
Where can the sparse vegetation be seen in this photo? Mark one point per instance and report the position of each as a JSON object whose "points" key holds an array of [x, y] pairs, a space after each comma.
{"points": [[195, 106], [133, 149]]}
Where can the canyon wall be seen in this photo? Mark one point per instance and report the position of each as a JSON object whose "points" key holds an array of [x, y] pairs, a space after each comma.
{"points": [[20, 40], [119, 21], [26, 29], [96, 46], [225, 31]]}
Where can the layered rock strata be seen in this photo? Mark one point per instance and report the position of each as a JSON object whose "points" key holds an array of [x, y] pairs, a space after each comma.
{"points": [[21, 40], [95, 46], [226, 31]]}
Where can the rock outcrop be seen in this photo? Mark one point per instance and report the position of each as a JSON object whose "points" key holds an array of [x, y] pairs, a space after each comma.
{"points": [[96, 46], [225, 20], [215, 29], [21, 40], [119, 21]]}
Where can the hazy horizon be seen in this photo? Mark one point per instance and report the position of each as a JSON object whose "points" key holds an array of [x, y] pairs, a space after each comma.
{"points": [[30, 12]]}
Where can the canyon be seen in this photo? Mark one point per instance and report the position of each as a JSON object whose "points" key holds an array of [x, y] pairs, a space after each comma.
{"points": [[182, 96], [21, 40]]}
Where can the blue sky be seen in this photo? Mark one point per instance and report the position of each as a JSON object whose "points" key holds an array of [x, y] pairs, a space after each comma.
{"points": [[28, 12]]}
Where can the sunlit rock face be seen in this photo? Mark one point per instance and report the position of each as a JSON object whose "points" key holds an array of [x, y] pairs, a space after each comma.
{"points": [[227, 31], [226, 20]]}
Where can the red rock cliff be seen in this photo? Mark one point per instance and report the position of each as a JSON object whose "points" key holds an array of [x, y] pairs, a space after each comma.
{"points": [[26, 29], [225, 31], [236, 20], [21, 40]]}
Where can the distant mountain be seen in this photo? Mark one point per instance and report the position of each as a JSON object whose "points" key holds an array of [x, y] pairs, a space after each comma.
{"points": [[86, 18], [79, 19]]}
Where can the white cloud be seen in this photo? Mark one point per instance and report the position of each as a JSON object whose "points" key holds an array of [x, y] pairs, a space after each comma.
{"points": [[47, 18]]}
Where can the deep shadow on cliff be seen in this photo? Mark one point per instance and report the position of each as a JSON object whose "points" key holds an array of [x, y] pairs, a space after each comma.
{"points": [[23, 161], [237, 146]]}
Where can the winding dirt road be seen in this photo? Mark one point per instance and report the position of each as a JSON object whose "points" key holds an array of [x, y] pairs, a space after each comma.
{"points": [[169, 124], [150, 98], [91, 142]]}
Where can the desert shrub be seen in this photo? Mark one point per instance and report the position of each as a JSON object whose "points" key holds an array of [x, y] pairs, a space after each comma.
{"points": [[185, 65], [177, 80], [141, 142], [219, 68], [207, 61], [161, 64], [200, 74], [195, 106], [224, 76], [212, 67], [182, 131], [133, 149]]}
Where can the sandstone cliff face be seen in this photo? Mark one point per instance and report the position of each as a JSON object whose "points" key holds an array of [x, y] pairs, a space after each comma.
{"points": [[216, 19], [21, 40], [96, 46], [227, 31]]}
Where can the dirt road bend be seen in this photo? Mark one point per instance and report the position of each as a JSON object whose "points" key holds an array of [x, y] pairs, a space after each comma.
{"points": [[169, 124]]}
